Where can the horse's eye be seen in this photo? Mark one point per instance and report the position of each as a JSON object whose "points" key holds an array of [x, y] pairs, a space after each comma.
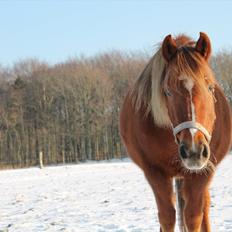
{"points": [[211, 88], [167, 93]]}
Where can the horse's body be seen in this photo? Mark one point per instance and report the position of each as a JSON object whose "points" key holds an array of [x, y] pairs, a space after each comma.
{"points": [[152, 146]]}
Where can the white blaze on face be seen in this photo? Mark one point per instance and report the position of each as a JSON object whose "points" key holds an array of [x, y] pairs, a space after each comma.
{"points": [[189, 84]]}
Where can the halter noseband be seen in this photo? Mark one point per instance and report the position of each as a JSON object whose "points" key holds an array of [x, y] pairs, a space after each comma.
{"points": [[191, 125]]}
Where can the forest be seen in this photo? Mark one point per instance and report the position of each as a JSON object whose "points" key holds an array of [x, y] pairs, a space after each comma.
{"points": [[69, 111]]}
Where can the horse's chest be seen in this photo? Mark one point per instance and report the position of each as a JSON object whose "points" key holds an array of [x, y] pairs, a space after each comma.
{"points": [[164, 157]]}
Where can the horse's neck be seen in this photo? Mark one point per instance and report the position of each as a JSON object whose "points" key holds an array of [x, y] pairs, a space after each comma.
{"points": [[222, 134]]}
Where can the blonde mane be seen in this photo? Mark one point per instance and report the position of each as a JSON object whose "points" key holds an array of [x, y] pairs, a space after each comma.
{"points": [[147, 91]]}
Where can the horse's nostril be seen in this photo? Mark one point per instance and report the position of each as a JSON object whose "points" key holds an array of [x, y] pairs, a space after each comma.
{"points": [[183, 152], [205, 151]]}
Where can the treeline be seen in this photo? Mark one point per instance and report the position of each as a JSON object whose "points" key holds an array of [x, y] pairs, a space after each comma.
{"points": [[69, 111]]}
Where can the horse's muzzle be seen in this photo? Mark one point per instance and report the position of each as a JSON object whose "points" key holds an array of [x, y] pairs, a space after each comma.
{"points": [[194, 157]]}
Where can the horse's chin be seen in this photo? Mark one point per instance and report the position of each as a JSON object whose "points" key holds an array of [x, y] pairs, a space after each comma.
{"points": [[195, 166]]}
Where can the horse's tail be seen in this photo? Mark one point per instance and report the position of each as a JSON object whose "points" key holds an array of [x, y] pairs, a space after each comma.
{"points": [[180, 204]]}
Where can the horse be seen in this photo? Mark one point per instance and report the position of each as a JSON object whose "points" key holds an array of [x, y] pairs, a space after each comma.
{"points": [[175, 123]]}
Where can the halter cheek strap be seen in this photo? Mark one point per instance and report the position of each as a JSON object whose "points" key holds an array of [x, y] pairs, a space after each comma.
{"points": [[193, 125]]}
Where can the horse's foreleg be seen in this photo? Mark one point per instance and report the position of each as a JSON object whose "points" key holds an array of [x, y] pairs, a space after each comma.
{"points": [[180, 204], [205, 227], [194, 193], [163, 191]]}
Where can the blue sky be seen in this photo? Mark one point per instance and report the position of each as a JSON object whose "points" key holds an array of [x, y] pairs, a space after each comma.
{"points": [[56, 30]]}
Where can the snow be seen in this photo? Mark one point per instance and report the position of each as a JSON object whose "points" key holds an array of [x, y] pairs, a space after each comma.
{"points": [[94, 197]]}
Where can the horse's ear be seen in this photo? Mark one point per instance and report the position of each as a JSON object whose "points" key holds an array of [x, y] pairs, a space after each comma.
{"points": [[203, 45], [169, 48]]}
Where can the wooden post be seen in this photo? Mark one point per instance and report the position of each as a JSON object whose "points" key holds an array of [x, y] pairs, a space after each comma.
{"points": [[41, 159], [63, 156]]}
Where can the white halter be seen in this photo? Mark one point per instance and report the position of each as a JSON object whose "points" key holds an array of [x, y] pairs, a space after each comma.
{"points": [[193, 125]]}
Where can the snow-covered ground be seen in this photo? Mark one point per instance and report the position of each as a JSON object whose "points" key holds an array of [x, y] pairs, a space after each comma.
{"points": [[94, 197]]}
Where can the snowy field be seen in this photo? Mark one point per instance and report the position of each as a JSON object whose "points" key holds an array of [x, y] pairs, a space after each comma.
{"points": [[94, 197]]}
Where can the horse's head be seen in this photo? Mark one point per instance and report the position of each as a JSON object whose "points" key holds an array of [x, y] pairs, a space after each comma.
{"points": [[188, 86]]}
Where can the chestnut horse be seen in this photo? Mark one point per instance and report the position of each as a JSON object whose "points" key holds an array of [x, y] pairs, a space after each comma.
{"points": [[176, 124]]}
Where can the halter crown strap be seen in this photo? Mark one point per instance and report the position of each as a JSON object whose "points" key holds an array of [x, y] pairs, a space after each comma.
{"points": [[194, 125]]}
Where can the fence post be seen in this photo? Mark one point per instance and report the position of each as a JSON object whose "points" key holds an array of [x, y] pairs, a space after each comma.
{"points": [[41, 159], [63, 156]]}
